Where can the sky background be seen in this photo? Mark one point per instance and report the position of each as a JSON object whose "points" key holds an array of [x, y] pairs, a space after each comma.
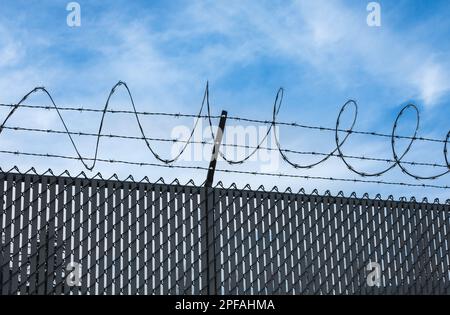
{"points": [[321, 52]]}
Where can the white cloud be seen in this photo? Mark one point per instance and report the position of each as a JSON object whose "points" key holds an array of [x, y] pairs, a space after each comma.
{"points": [[432, 82], [326, 34], [11, 51]]}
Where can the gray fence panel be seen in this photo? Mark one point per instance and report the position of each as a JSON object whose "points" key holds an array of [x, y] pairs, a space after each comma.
{"points": [[143, 238]]}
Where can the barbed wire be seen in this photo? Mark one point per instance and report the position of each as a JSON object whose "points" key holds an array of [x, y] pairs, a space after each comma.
{"points": [[111, 111], [112, 92], [397, 159], [237, 118], [204, 142], [115, 161], [339, 143]]}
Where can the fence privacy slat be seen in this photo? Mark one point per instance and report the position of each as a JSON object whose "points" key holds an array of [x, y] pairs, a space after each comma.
{"points": [[43, 237], [24, 262], [198, 275], [7, 232], [107, 254], [252, 253], [117, 260], [69, 228], [164, 228], [86, 201], [143, 238], [141, 234], [16, 210], [51, 235], [189, 250], [99, 250], [93, 229], [180, 250], [148, 283]]}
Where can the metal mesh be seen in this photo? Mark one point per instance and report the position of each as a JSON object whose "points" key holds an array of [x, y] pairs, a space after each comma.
{"points": [[129, 238], [144, 238], [277, 243]]}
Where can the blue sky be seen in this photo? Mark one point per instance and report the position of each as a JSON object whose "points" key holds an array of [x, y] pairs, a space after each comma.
{"points": [[321, 52]]}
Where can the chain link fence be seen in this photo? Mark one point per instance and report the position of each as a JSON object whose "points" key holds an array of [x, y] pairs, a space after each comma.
{"points": [[65, 235]]}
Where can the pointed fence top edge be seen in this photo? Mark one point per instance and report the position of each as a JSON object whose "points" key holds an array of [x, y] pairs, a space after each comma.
{"points": [[219, 185]]}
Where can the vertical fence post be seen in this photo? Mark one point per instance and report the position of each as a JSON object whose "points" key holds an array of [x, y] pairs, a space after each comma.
{"points": [[211, 284]]}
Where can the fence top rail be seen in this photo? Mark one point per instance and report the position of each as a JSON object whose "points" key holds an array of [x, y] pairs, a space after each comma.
{"points": [[65, 176]]}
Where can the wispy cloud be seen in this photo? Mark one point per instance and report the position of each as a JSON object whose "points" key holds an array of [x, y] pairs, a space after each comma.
{"points": [[326, 34]]}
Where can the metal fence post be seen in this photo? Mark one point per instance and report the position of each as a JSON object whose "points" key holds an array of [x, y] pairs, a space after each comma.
{"points": [[209, 202]]}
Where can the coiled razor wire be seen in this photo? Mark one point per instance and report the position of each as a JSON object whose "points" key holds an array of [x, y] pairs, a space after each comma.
{"points": [[397, 158]]}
